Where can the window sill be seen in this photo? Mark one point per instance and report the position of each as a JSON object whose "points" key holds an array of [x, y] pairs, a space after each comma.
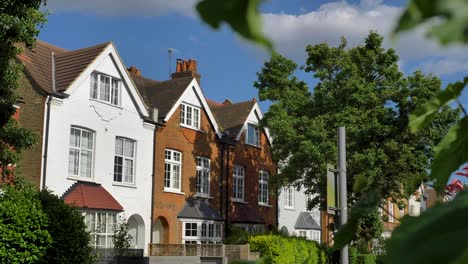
{"points": [[252, 145], [122, 184], [192, 128], [238, 201], [265, 205], [174, 191], [203, 196], [289, 208], [74, 178], [106, 103]]}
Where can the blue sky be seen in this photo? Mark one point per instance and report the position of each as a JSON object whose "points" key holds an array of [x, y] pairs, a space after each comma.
{"points": [[144, 30]]}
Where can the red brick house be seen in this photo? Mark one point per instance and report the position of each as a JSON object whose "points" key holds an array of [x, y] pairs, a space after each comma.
{"points": [[186, 173], [248, 167]]}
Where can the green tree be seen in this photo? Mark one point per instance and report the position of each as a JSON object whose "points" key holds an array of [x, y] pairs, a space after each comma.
{"points": [[19, 26], [70, 240], [23, 225], [362, 89]]}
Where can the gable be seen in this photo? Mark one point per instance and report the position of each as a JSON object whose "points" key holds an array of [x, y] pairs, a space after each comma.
{"points": [[193, 95], [254, 117], [109, 63]]}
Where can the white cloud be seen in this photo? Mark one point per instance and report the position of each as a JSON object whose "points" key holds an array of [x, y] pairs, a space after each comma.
{"points": [[125, 7], [291, 34]]}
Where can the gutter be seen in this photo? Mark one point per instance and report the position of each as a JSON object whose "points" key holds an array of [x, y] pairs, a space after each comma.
{"points": [[46, 144]]}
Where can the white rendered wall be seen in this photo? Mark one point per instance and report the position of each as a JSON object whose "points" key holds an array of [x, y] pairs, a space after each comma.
{"points": [[108, 122], [288, 216]]}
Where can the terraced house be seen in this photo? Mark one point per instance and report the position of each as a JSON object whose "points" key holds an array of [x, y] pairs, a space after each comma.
{"points": [[96, 134], [178, 168]]}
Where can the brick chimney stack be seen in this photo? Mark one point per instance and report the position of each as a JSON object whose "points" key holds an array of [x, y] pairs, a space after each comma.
{"points": [[186, 68]]}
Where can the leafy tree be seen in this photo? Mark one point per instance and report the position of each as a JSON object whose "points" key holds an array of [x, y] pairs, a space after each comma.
{"points": [[362, 89], [70, 240], [121, 238], [19, 22], [23, 225]]}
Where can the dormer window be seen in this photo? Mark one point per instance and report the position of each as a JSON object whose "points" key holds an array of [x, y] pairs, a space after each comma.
{"points": [[253, 135], [105, 88], [190, 116]]}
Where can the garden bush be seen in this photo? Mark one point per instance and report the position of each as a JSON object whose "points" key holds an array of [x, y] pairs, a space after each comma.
{"points": [[23, 225], [287, 250], [70, 240]]}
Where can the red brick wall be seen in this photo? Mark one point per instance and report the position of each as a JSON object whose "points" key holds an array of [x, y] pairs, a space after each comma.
{"points": [[32, 117], [254, 159], [191, 144]]}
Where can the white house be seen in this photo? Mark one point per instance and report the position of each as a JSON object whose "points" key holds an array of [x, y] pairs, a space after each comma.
{"points": [[294, 217], [97, 137]]}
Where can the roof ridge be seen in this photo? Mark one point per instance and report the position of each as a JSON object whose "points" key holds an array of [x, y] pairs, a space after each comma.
{"points": [[69, 52], [178, 78], [50, 46]]}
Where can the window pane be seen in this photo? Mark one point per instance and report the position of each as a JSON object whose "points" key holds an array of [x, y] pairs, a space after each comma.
{"points": [[176, 177], [94, 86], [104, 88], [73, 162], [87, 139], [119, 146], [115, 92], [75, 135], [188, 109], [167, 176], [86, 163], [118, 168], [196, 117], [182, 114], [128, 170], [129, 148]]}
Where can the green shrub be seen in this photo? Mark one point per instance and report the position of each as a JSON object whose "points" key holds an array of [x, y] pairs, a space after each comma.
{"points": [[70, 241], [366, 259], [287, 250], [23, 226], [237, 236]]}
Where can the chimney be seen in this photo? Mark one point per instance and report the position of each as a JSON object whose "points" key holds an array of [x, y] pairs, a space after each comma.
{"points": [[134, 71], [186, 68], [227, 102]]}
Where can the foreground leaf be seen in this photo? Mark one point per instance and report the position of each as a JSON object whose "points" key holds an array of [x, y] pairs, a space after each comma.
{"points": [[365, 206], [453, 17], [242, 15], [424, 115], [450, 154], [439, 235]]}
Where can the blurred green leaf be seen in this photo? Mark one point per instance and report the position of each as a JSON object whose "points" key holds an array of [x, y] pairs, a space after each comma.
{"points": [[439, 235], [451, 152], [452, 15], [424, 115], [365, 206], [242, 15]]}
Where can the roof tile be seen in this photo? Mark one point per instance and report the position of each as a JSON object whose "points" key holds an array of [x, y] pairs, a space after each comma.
{"points": [[90, 196]]}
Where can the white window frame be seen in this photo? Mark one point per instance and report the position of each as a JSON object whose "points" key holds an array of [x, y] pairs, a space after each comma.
{"points": [[94, 228], [124, 177], [80, 149], [263, 193], [255, 141], [172, 162], [412, 210], [98, 88], [391, 219], [289, 197], [190, 116], [207, 232], [203, 176], [238, 183]]}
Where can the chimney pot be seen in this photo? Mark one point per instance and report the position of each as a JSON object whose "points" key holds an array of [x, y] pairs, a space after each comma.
{"points": [[134, 70]]}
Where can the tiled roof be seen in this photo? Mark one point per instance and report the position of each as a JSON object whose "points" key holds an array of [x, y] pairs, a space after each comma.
{"points": [[306, 221], [68, 64], [196, 209], [90, 196], [161, 95], [244, 213], [231, 117]]}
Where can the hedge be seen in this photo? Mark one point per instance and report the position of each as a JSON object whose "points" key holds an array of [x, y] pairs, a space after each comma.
{"points": [[356, 258], [288, 250]]}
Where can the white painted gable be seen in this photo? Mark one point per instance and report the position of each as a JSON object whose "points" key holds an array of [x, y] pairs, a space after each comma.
{"points": [[254, 118], [193, 95]]}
